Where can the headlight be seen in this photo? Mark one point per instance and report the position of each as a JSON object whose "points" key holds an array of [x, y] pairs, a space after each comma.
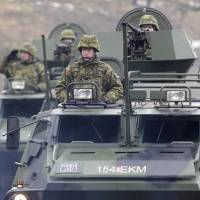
{"points": [[176, 96], [83, 93], [18, 85], [20, 197]]}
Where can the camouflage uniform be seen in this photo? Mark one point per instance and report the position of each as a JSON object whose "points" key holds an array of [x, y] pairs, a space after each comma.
{"points": [[65, 57], [149, 20], [31, 71], [109, 84]]}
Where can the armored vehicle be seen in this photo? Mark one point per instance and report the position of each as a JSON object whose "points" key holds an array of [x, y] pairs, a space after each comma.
{"points": [[15, 101], [146, 148]]}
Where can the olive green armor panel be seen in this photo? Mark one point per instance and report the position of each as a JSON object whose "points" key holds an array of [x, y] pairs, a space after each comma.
{"points": [[89, 41], [149, 20], [108, 83]]}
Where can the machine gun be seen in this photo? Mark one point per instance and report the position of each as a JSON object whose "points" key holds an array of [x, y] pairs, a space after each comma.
{"points": [[62, 49], [63, 54], [138, 43]]}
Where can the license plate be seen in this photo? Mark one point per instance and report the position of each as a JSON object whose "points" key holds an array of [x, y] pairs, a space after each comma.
{"points": [[70, 168]]}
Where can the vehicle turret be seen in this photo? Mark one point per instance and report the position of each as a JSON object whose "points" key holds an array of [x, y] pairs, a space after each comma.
{"points": [[163, 50]]}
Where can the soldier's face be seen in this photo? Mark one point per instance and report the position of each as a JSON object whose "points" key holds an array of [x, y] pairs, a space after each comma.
{"points": [[24, 56], [147, 28], [87, 53]]}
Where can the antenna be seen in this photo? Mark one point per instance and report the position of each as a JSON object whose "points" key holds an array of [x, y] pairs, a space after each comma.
{"points": [[126, 84], [46, 73]]}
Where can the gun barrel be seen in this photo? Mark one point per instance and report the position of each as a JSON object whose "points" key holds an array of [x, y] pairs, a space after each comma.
{"points": [[135, 29]]}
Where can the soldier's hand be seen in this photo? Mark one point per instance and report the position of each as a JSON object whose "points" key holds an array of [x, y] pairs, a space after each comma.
{"points": [[106, 100], [13, 55], [33, 88]]}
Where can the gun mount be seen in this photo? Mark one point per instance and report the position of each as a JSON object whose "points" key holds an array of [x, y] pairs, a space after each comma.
{"points": [[169, 50]]}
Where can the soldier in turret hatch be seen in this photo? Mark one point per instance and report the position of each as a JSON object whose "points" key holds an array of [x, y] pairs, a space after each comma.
{"points": [[64, 51], [140, 45], [90, 68]]}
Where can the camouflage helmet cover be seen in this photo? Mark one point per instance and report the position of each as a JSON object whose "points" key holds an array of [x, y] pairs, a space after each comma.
{"points": [[149, 20], [67, 33], [29, 48], [89, 41]]}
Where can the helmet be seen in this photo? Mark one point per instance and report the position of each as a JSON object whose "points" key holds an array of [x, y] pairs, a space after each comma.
{"points": [[67, 33], [29, 48], [149, 20], [89, 41]]}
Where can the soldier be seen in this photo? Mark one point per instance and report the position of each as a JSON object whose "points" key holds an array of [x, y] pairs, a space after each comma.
{"points": [[27, 68], [142, 45], [65, 50], [148, 23], [90, 68]]}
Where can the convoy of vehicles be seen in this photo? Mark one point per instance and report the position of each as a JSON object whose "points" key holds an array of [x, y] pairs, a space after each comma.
{"points": [[146, 147]]}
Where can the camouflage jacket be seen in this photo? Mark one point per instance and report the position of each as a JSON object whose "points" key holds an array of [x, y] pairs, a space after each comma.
{"points": [[109, 84], [32, 72]]}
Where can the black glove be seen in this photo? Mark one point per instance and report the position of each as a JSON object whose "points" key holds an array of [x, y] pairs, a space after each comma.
{"points": [[33, 88], [12, 56], [106, 100]]}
